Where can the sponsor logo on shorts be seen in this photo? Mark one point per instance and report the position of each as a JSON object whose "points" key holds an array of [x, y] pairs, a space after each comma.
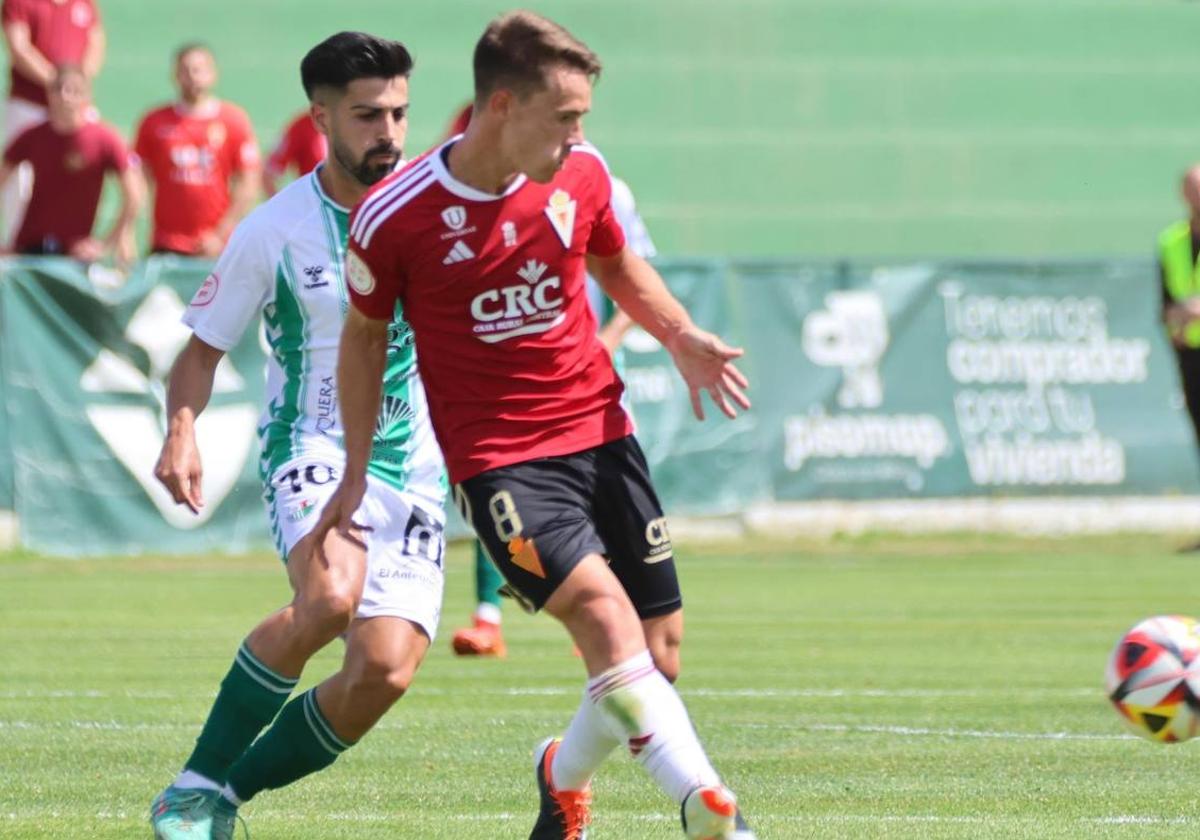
{"points": [[659, 540], [524, 555], [302, 510]]}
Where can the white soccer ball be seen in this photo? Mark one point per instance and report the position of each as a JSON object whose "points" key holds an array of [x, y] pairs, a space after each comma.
{"points": [[1153, 678]]}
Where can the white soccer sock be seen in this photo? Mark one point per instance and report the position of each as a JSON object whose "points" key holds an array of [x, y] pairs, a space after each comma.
{"points": [[585, 745], [644, 711], [488, 612], [192, 780], [231, 796]]}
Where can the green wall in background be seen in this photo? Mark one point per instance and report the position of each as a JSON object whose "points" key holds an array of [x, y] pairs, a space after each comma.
{"points": [[792, 127]]}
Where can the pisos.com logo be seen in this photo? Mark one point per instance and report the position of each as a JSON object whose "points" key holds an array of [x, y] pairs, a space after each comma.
{"points": [[850, 333]]}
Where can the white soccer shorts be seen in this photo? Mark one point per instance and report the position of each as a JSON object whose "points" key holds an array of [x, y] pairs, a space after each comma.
{"points": [[405, 546]]}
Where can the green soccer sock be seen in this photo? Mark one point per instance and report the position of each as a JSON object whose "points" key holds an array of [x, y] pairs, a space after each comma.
{"points": [[487, 578], [251, 695], [300, 742]]}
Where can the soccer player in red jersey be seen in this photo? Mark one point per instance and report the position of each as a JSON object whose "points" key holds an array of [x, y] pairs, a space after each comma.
{"points": [[300, 149], [483, 244], [41, 35], [70, 154], [202, 156]]}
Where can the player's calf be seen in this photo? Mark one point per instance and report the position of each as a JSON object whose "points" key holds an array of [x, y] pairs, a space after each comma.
{"points": [[382, 658]]}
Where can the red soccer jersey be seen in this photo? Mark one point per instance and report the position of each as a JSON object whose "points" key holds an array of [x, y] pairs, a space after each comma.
{"points": [[493, 287], [191, 157], [302, 147], [68, 174], [58, 29]]}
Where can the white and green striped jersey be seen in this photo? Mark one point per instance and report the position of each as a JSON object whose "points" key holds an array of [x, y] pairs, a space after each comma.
{"points": [[285, 261]]}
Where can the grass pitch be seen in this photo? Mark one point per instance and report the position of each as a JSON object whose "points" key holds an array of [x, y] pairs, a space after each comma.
{"points": [[883, 687]]}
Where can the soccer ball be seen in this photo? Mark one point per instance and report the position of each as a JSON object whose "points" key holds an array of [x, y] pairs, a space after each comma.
{"points": [[1153, 678]]}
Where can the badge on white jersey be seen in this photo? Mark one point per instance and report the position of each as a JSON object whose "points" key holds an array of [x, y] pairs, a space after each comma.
{"points": [[560, 210]]}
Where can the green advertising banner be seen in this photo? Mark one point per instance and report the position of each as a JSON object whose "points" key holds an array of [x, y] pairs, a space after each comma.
{"points": [[703, 463], [84, 370], [869, 381], [933, 380]]}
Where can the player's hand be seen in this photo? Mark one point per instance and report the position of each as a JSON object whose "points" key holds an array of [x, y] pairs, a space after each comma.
{"points": [[87, 250], [178, 469], [125, 250], [339, 513], [706, 364]]}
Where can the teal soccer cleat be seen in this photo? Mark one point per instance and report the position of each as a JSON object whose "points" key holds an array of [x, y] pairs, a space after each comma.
{"points": [[225, 819], [183, 813]]}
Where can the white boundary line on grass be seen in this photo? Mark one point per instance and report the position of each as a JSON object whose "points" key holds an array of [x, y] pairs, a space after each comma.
{"points": [[922, 732], [504, 816], [865, 729], [560, 691]]}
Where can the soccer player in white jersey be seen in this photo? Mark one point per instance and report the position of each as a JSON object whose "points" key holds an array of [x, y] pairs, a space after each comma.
{"points": [[379, 583], [484, 243], [483, 637]]}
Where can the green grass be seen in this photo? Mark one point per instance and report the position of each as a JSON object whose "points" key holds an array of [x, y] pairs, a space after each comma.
{"points": [[872, 688]]}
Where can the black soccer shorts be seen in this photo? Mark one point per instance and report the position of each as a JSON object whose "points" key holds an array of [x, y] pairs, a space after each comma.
{"points": [[539, 518]]}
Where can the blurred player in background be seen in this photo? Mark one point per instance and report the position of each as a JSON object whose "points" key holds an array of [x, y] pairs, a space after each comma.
{"points": [[69, 155], [202, 157], [41, 35], [298, 151], [379, 587], [483, 242], [1179, 271], [485, 637]]}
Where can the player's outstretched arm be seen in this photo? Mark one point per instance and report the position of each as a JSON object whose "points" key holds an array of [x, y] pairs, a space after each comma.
{"points": [[188, 392], [362, 357], [704, 361]]}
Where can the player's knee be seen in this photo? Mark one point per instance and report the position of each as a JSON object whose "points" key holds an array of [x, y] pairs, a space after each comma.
{"points": [[664, 639], [666, 659], [380, 681], [608, 612], [328, 614]]}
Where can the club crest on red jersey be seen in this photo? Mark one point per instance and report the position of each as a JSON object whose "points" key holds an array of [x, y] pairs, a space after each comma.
{"points": [[560, 210], [455, 217]]}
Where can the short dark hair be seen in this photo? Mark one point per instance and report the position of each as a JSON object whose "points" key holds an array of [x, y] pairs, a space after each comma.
{"points": [[190, 47], [340, 59], [516, 49]]}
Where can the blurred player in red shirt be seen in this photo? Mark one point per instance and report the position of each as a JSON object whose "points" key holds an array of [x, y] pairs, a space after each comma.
{"points": [[41, 35], [300, 149], [202, 156], [70, 154], [484, 243]]}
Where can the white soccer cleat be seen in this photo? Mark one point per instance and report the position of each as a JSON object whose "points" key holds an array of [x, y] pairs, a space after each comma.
{"points": [[710, 813]]}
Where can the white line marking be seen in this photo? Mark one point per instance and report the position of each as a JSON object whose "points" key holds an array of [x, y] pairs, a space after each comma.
{"points": [[504, 816], [925, 732], [560, 691]]}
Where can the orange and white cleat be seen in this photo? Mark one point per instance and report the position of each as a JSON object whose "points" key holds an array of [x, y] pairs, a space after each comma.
{"points": [[711, 813], [564, 814], [481, 639]]}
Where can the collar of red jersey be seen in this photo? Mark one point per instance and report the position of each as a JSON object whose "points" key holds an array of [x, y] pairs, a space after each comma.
{"points": [[442, 173]]}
